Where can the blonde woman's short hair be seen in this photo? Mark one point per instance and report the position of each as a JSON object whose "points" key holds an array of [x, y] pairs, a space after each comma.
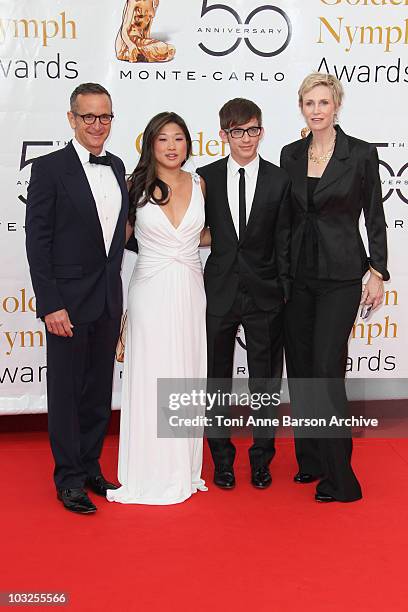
{"points": [[319, 78]]}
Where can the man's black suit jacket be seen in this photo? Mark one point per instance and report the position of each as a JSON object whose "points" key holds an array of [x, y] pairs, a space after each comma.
{"points": [[65, 248], [350, 184], [261, 258]]}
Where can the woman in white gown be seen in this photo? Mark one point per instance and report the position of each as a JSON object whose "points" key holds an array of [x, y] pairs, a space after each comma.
{"points": [[165, 335]]}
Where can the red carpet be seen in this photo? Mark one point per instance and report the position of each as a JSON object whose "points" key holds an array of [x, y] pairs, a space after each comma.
{"points": [[219, 551]]}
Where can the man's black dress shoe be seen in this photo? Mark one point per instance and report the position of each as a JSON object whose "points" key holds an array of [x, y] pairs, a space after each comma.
{"points": [[261, 477], [323, 498], [303, 478], [76, 500], [99, 485], [224, 477]]}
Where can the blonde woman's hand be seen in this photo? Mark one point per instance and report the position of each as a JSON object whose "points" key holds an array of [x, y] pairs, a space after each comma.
{"points": [[373, 292]]}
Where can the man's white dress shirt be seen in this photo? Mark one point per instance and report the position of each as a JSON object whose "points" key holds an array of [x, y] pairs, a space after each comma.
{"points": [[105, 190], [251, 176]]}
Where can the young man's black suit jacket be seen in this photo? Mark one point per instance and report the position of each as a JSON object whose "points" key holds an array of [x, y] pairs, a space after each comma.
{"points": [[71, 270], [261, 258]]}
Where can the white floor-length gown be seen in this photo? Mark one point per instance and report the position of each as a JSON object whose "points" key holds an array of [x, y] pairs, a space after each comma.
{"points": [[166, 338]]}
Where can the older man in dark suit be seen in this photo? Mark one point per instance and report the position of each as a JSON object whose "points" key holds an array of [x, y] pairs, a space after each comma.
{"points": [[75, 234]]}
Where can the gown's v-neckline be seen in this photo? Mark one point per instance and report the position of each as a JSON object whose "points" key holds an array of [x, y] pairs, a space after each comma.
{"points": [[185, 213]]}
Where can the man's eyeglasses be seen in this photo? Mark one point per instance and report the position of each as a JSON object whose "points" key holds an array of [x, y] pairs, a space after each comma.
{"points": [[252, 131], [90, 119]]}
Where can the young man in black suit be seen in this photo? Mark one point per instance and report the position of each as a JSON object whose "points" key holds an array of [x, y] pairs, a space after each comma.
{"points": [[77, 209], [246, 275]]}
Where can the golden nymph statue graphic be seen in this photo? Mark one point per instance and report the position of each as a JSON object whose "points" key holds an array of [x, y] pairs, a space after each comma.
{"points": [[134, 42]]}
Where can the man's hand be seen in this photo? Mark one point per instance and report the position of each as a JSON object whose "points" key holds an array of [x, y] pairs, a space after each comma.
{"points": [[58, 323]]}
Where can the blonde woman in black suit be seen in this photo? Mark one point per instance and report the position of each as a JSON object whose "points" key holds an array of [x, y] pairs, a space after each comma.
{"points": [[334, 178]]}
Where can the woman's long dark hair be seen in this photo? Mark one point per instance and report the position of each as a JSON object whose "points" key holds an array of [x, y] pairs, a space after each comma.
{"points": [[144, 180]]}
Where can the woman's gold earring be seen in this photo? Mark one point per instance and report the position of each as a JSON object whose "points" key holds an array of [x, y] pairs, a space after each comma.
{"points": [[304, 132]]}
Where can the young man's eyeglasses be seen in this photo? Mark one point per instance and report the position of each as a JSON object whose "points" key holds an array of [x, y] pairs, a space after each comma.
{"points": [[252, 131], [90, 119]]}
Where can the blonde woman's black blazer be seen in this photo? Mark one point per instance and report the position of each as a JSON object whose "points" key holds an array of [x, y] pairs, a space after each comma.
{"points": [[350, 184]]}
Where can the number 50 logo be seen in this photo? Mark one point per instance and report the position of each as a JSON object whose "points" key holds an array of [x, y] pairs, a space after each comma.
{"points": [[249, 28]]}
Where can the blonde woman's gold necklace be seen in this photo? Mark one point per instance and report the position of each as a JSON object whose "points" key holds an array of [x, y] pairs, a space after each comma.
{"points": [[319, 159]]}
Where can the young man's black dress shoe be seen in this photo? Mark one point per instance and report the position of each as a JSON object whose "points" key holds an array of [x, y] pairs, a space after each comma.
{"points": [[303, 478], [99, 485], [321, 497], [261, 477], [224, 477], [76, 500]]}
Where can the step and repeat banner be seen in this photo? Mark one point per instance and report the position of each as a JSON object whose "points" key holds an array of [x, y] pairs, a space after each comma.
{"points": [[190, 56]]}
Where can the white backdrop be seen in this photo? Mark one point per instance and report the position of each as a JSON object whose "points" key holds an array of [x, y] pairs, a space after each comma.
{"points": [[237, 48]]}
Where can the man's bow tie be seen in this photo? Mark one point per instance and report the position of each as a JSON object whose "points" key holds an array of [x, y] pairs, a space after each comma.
{"points": [[105, 160]]}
